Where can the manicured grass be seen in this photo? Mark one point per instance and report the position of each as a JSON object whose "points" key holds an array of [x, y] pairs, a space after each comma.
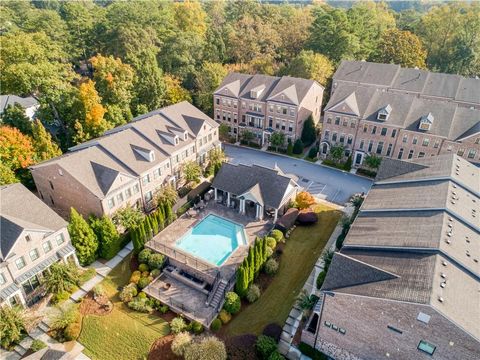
{"points": [[300, 254], [122, 334]]}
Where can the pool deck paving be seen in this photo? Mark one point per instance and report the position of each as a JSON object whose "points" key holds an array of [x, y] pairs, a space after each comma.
{"points": [[165, 241]]}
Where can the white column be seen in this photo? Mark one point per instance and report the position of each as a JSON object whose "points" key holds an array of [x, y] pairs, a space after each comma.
{"points": [[260, 212], [275, 216], [242, 206], [216, 196], [228, 199]]}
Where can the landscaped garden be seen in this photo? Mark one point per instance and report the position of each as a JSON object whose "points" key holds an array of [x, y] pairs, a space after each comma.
{"points": [[123, 333], [304, 246]]}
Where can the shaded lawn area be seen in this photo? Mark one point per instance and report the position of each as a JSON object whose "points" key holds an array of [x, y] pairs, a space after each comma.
{"points": [[299, 256], [122, 334]]}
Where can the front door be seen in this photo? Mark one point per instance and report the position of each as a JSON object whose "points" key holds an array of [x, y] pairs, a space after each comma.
{"points": [[358, 159]]}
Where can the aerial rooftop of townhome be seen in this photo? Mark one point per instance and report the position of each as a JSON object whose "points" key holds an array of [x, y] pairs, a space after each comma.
{"points": [[205, 247], [128, 164], [407, 278], [387, 110], [264, 104], [33, 237]]}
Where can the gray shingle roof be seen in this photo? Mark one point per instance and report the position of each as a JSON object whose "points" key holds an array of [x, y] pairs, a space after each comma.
{"points": [[15, 216], [284, 89], [98, 162], [428, 84], [450, 120], [268, 185], [6, 100]]}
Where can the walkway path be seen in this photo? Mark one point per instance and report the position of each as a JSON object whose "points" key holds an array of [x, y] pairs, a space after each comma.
{"points": [[331, 184], [40, 332], [102, 269], [294, 318]]}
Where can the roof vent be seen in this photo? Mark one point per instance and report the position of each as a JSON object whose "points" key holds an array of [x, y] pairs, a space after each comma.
{"points": [[423, 317], [453, 202], [454, 186], [440, 299], [448, 241], [443, 284], [443, 275], [444, 263], [450, 225], [450, 219]]}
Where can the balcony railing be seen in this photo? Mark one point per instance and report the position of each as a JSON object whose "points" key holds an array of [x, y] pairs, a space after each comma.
{"points": [[182, 257]]}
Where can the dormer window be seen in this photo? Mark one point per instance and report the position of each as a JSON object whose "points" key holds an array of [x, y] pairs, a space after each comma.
{"points": [[185, 136], [151, 156], [256, 92], [384, 113], [426, 122], [176, 140]]}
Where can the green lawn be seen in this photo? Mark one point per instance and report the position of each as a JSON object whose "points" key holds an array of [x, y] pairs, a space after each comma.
{"points": [[122, 334], [300, 254]]}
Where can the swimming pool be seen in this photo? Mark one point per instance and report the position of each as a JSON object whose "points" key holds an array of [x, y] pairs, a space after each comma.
{"points": [[213, 239]]}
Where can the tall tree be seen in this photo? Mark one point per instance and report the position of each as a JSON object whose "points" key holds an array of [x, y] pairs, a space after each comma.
{"points": [[114, 83], [16, 149], [207, 79], [277, 139], [107, 236], [12, 325], [92, 122], [14, 116], [310, 65], [451, 34], [83, 238], [309, 132], [192, 171], [175, 93], [402, 48], [61, 277], [31, 64], [45, 147]]}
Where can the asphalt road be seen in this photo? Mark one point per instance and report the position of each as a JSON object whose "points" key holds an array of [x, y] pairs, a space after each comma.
{"points": [[322, 181]]}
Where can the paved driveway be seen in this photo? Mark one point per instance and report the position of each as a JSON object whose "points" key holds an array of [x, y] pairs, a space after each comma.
{"points": [[322, 181]]}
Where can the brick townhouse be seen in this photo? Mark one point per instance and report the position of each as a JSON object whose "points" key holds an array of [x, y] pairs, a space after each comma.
{"points": [[129, 164], [386, 110], [265, 104]]}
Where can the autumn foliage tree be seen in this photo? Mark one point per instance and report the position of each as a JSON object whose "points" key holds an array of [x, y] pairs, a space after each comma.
{"points": [[401, 47], [44, 147], [92, 123], [16, 149], [304, 200], [175, 93]]}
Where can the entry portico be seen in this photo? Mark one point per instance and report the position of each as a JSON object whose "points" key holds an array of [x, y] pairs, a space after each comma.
{"points": [[244, 187]]}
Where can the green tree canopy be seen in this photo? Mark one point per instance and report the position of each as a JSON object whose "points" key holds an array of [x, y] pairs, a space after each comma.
{"points": [[14, 116], [61, 277], [12, 325], [310, 65], [83, 238]]}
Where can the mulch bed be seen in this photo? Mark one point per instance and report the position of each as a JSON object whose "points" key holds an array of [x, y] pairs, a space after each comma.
{"points": [[168, 316], [134, 263], [91, 307], [161, 349], [241, 347]]}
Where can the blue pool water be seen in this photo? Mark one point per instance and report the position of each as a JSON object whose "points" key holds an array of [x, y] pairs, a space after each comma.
{"points": [[213, 239]]}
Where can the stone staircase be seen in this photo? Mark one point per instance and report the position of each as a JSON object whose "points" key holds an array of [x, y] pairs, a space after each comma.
{"points": [[218, 295]]}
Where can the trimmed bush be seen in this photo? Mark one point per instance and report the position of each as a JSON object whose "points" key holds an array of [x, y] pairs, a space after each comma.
{"points": [[60, 297], [321, 279], [180, 343], [143, 282], [232, 303], [136, 275], [145, 274], [143, 267], [273, 330], [271, 266], [140, 305], [298, 147], [265, 346], [163, 309], [144, 255], [216, 325], [156, 261], [155, 273], [277, 235], [271, 242], [276, 356], [268, 252], [208, 348], [197, 327], [224, 316], [312, 153], [290, 148], [307, 218], [72, 331], [128, 293], [178, 324], [37, 345], [311, 352], [142, 295], [253, 293]]}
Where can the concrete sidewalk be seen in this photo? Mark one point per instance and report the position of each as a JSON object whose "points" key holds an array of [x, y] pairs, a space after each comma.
{"points": [[102, 269]]}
